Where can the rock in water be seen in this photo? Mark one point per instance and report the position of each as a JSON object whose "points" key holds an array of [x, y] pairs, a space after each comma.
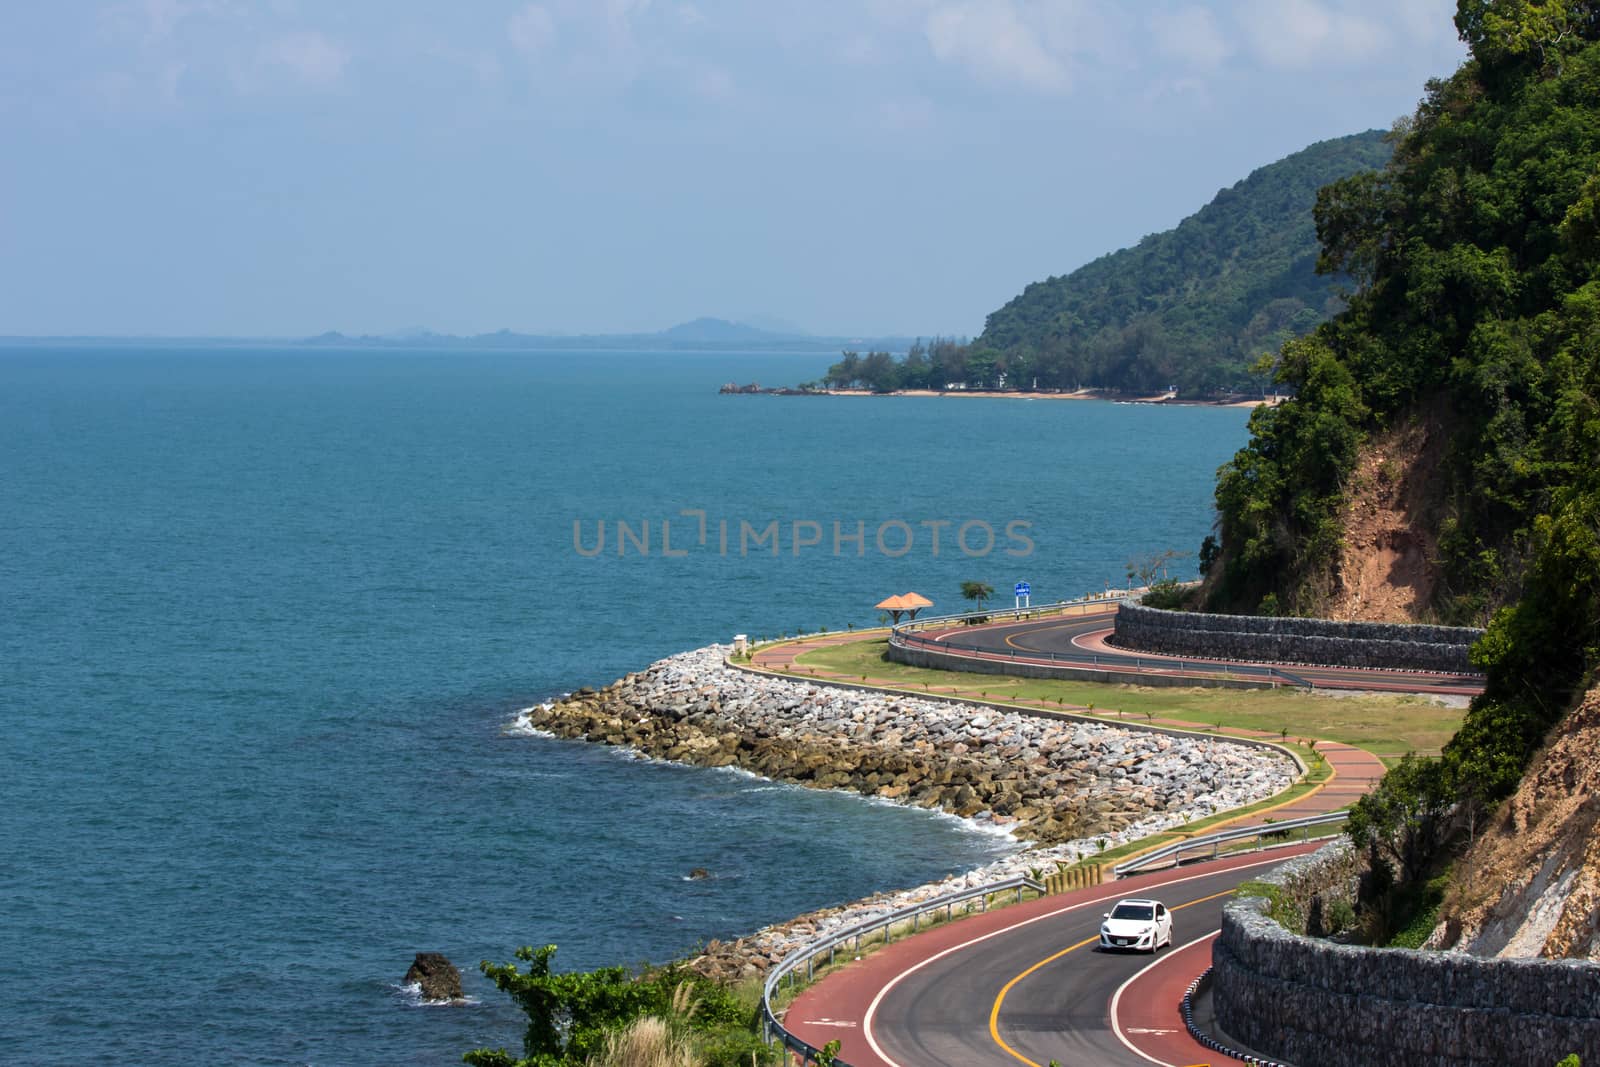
{"points": [[699, 874], [436, 975]]}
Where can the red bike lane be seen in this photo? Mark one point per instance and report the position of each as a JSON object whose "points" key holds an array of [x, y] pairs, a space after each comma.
{"points": [[839, 1006]]}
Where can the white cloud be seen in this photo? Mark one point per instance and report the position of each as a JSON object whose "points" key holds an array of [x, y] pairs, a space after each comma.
{"points": [[532, 29], [990, 39], [308, 56], [1189, 35], [592, 34], [1293, 33], [590, 48]]}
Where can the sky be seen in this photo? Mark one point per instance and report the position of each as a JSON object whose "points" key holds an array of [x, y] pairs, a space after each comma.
{"points": [[281, 168]]}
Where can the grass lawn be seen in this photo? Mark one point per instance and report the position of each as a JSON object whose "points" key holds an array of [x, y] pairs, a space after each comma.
{"points": [[1386, 725]]}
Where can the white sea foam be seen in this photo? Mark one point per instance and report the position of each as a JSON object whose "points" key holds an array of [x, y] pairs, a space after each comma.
{"points": [[410, 994], [521, 727], [982, 827]]}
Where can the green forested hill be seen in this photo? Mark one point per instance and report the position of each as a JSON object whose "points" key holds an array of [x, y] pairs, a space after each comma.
{"points": [[1477, 253], [1196, 305]]}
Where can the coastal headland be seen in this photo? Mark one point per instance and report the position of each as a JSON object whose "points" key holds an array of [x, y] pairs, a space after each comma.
{"points": [[1069, 787]]}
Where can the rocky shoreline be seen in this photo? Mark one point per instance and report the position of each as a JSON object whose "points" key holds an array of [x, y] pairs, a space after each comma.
{"points": [[1068, 787]]}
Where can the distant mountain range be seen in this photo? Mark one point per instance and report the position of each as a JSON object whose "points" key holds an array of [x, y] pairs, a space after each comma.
{"points": [[703, 334], [698, 334]]}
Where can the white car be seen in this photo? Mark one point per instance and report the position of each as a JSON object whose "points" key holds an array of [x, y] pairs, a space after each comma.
{"points": [[1142, 925]]}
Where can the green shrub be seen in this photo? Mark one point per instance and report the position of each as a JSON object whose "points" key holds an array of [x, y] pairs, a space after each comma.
{"points": [[1169, 594], [577, 1016]]}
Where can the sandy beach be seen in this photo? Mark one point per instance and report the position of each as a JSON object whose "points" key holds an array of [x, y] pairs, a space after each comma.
{"points": [[1082, 394]]}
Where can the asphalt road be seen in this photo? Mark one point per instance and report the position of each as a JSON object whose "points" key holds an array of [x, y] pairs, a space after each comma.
{"points": [[1052, 989], [1027, 984], [1084, 635]]}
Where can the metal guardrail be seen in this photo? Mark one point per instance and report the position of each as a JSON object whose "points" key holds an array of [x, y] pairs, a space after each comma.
{"points": [[1215, 841], [1266, 672], [1108, 601], [772, 1025]]}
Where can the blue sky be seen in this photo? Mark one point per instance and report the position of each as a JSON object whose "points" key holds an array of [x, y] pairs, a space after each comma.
{"points": [[204, 167]]}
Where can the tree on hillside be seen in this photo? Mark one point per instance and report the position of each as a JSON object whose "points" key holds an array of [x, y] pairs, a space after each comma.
{"points": [[1406, 821], [980, 368]]}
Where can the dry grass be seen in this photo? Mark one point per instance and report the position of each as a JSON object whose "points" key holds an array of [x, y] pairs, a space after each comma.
{"points": [[647, 1042]]}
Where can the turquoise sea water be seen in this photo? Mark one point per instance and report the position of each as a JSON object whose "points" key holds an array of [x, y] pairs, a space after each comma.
{"points": [[264, 615]]}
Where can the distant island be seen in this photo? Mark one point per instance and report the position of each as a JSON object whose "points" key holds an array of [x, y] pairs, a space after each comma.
{"points": [[697, 335], [702, 334]]}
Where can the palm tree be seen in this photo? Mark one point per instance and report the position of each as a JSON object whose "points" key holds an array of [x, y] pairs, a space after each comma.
{"points": [[978, 591]]}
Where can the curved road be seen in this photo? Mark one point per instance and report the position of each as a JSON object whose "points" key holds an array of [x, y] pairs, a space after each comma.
{"points": [[1026, 984], [1079, 636]]}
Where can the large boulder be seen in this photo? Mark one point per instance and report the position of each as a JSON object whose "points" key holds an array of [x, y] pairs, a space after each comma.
{"points": [[436, 975]]}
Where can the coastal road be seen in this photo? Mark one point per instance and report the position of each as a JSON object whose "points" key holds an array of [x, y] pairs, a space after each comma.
{"points": [[1075, 639], [1026, 984]]}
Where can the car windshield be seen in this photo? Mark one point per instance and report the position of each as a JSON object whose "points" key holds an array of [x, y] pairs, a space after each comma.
{"points": [[1133, 911]]}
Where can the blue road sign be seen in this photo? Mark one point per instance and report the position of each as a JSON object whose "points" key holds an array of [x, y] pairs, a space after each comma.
{"points": [[1023, 589]]}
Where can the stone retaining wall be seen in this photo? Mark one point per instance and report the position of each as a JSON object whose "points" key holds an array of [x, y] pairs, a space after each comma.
{"points": [[1055, 780], [1288, 640], [923, 656], [1309, 1001]]}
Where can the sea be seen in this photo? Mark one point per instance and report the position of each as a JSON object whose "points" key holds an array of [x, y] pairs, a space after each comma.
{"points": [[267, 615]]}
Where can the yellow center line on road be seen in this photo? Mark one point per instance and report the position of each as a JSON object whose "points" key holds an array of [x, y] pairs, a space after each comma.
{"points": [[1042, 629], [994, 1012]]}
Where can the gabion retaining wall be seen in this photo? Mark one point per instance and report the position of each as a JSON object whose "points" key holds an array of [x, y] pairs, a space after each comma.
{"points": [[1281, 640], [1320, 1004], [922, 656]]}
